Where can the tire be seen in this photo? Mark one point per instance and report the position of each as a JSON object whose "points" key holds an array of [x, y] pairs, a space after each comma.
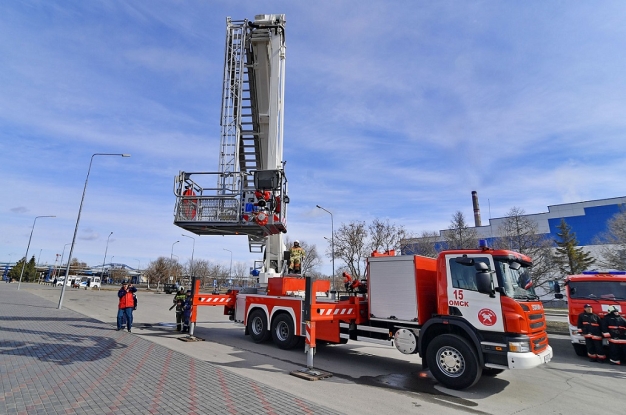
{"points": [[580, 349], [283, 332], [257, 326], [453, 361], [489, 371]]}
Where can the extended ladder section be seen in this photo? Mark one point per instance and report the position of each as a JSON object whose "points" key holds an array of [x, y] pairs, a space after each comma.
{"points": [[248, 193]]}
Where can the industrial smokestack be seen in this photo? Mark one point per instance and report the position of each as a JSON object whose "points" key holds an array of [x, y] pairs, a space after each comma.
{"points": [[476, 208]]}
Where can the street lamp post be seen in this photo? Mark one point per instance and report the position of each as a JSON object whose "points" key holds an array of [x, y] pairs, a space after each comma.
{"points": [[62, 255], [192, 251], [105, 258], [171, 255], [139, 271], [230, 272], [332, 240], [80, 209], [28, 246]]}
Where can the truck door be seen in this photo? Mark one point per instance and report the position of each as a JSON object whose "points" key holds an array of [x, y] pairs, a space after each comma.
{"points": [[481, 310]]}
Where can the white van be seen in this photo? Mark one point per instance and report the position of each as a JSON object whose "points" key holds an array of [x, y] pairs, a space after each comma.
{"points": [[70, 280], [89, 282]]}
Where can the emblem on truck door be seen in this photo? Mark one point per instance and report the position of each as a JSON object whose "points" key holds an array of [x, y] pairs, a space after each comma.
{"points": [[487, 317]]}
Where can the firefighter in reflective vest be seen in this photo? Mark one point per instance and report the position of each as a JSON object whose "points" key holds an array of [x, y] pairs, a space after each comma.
{"points": [[614, 328], [296, 254], [590, 326]]}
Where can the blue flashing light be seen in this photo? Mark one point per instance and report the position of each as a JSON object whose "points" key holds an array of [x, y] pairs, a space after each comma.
{"points": [[482, 243], [606, 272]]}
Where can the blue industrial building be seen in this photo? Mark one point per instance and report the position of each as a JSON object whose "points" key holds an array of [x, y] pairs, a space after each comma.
{"points": [[588, 221]]}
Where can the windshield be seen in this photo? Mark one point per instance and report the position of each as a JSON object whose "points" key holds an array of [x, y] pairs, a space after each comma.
{"points": [[601, 290], [516, 283]]}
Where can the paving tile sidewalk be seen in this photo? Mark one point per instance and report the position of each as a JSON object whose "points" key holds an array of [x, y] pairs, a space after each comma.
{"points": [[62, 362]]}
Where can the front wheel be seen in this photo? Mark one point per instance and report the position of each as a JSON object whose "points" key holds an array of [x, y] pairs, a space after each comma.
{"points": [[580, 349], [453, 361], [257, 326]]}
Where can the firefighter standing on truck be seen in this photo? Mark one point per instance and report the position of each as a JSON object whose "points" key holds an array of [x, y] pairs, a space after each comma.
{"points": [[296, 254], [590, 326], [614, 328], [179, 300]]}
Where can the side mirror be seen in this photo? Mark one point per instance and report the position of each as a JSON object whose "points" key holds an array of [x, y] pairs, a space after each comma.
{"points": [[557, 290], [484, 283]]}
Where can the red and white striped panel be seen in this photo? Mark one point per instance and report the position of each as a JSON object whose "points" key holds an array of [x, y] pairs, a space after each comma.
{"points": [[308, 332], [215, 300], [336, 311]]}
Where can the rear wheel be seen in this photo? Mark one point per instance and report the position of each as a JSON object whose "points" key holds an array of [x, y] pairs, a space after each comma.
{"points": [[580, 349], [453, 361], [257, 326], [283, 332]]}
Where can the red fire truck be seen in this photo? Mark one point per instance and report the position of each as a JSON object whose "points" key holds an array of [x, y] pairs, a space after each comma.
{"points": [[600, 289], [466, 313]]}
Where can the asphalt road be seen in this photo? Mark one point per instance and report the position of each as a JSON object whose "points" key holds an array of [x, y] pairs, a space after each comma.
{"points": [[367, 379]]}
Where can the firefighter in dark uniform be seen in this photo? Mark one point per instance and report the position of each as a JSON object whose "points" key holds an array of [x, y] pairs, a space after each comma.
{"points": [[187, 311], [179, 300], [590, 326], [614, 328]]}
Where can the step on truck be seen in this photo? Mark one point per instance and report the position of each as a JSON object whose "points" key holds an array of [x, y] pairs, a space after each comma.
{"points": [[466, 313], [600, 289]]}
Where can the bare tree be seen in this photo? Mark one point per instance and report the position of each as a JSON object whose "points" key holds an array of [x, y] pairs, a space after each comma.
{"points": [[521, 234], [241, 272], [219, 273], [613, 243], [427, 244], [200, 270], [459, 235], [385, 236], [311, 259], [351, 246], [157, 271]]}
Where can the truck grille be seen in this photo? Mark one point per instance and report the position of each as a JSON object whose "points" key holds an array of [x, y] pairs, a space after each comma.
{"points": [[539, 344], [536, 325]]}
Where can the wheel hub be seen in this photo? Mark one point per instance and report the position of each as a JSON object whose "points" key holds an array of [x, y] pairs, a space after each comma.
{"points": [[282, 331], [450, 361]]}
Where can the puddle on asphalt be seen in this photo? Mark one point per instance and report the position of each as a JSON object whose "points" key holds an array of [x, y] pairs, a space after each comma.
{"points": [[412, 383]]}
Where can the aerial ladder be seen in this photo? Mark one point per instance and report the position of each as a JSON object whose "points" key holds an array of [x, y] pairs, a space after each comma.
{"points": [[248, 193]]}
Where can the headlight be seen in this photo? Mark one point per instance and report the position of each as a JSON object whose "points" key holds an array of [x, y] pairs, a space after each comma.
{"points": [[519, 347], [575, 332]]}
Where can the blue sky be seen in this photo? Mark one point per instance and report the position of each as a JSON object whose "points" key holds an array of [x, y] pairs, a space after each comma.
{"points": [[393, 110]]}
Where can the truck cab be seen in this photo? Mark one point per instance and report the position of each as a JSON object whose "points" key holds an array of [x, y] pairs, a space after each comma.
{"points": [[467, 313], [600, 289]]}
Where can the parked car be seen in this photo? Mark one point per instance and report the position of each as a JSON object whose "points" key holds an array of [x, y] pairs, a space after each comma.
{"points": [[170, 288], [89, 282]]}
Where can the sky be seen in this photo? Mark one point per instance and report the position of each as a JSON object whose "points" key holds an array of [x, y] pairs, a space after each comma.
{"points": [[394, 110]]}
